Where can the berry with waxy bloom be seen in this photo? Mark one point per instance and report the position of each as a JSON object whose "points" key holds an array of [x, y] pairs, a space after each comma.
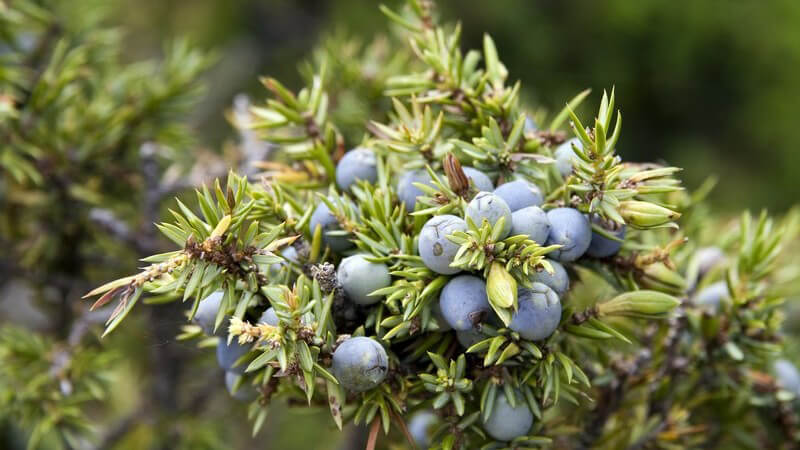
{"points": [[787, 376], [538, 314], [488, 206], [419, 426], [360, 364], [507, 422], [323, 218], [481, 181], [357, 164], [602, 246], [436, 251], [532, 222], [570, 229], [557, 281], [359, 277], [229, 354], [245, 392], [564, 155], [407, 192], [530, 124], [711, 295], [464, 302], [269, 317], [519, 194], [206, 314]]}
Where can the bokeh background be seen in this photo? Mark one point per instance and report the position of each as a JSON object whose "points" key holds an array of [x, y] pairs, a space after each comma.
{"points": [[710, 86]]}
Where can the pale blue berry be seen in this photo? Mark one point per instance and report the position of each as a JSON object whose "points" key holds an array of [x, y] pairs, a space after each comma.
{"points": [[557, 281], [570, 229], [419, 426], [436, 251], [323, 217], [464, 302], [507, 423], [436, 311], [490, 207], [359, 277], [531, 222], [357, 164], [407, 192], [228, 354], [711, 296], [206, 314], [601, 246], [708, 258], [530, 125], [481, 181], [289, 255], [246, 392], [564, 154], [539, 312], [269, 317], [519, 194], [360, 364], [787, 375]]}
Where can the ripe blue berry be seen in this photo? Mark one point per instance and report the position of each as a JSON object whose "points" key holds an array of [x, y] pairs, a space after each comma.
{"points": [[436, 251], [712, 295], [289, 254], [206, 314], [464, 302], [539, 312], [531, 222], [228, 354], [488, 206], [360, 364], [479, 179], [571, 229], [708, 258], [419, 426], [530, 125], [558, 281], [787, 376], [407, 192], [506, 423], [519, 194], [601, 246], [564, 154], [436, 311], [357, 164], [269, 317], [359, 277], [245, 393], [322, 217]]}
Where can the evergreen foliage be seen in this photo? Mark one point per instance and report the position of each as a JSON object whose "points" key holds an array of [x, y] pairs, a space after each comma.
{"points": [[636, 360]]}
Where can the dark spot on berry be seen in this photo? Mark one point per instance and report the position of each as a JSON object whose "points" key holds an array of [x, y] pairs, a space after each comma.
{"points": [[437, 249], [477, 317]]}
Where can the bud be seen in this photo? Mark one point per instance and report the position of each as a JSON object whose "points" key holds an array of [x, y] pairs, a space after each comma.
{"points": [[645, 214], [501, 288], [659, 276], [645, 304], [456, 177]]}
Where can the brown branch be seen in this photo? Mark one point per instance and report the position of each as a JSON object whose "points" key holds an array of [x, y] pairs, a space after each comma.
{"points": [[374, 428]]}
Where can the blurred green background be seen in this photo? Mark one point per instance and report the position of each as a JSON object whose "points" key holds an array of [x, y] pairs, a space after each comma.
{"points": [[710, 86]]}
